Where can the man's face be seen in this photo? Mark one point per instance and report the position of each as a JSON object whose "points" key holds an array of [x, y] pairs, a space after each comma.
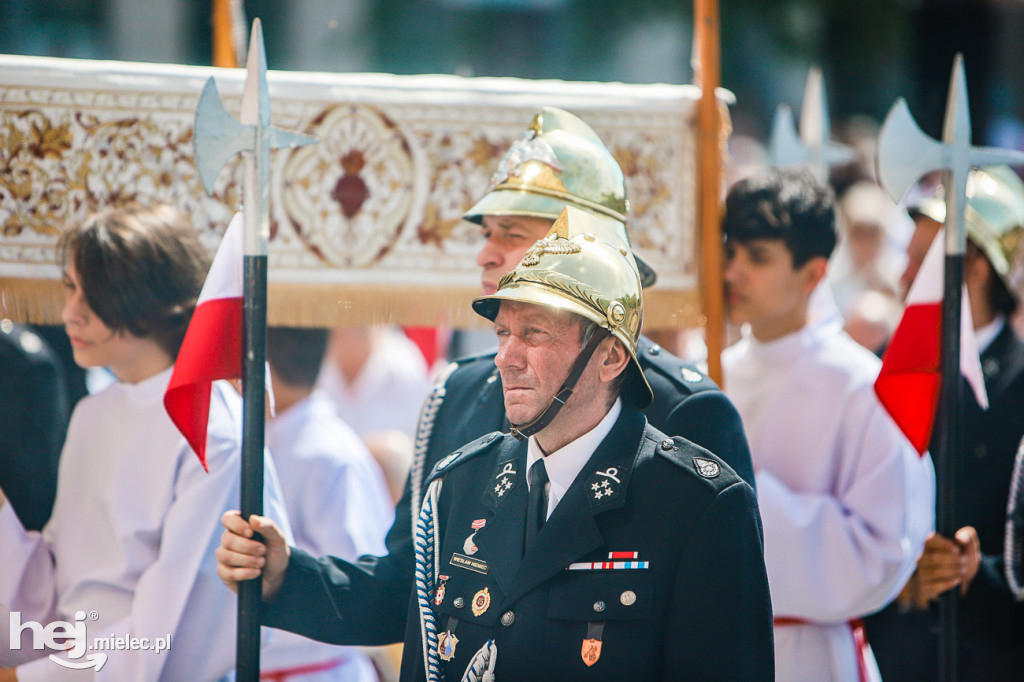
{"points": [[536, 348], [763, 289], [925, 230], [507, 240]]}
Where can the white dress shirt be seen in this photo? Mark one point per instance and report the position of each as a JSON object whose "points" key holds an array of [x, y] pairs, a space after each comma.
{"points": [[564, 464]]}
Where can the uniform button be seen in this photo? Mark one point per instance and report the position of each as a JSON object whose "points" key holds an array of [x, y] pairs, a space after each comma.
{"points": [[981, 451], [508, 618], [628, 598], [599, 606], [654, 350], [459, 602], [667, 444]]}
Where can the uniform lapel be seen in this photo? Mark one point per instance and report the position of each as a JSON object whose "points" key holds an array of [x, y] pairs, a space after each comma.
{"points": [[572, 530], [490, 405], [500, 541]]}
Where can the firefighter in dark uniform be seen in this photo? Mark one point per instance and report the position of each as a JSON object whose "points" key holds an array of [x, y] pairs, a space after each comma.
{"points": [[559, 162], [645, 561], [903, 635]]}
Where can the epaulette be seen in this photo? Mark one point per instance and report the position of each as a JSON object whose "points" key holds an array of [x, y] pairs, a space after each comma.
{"points": [[656, 359], [692, 458], [470, 359], [464, 454]]}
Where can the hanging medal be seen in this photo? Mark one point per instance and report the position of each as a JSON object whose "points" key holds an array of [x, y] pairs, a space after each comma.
{"points": [[469, 547], [591, 650], [446, 643], [439, 593]]}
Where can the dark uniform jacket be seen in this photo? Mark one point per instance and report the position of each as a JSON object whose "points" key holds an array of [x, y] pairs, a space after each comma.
{"points": [[686, 403], [699, 608], [33, 422], [991, 622]]}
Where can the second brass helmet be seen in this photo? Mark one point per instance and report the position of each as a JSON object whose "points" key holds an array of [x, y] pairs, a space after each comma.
{"points": [[994, 216], [559, 162]]}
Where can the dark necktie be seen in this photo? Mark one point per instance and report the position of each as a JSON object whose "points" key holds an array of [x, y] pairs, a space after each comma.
{"points": [[537, 505]]}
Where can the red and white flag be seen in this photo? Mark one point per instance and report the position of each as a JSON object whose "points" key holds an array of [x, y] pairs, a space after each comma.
{"points": [[908, 383], [212, 348]]}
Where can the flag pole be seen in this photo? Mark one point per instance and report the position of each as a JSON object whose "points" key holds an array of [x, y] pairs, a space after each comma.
{"points": [[254, 335], [217, 137], [956, 126], [254, 331], [707, 73], [905, 154], [255, 112]]}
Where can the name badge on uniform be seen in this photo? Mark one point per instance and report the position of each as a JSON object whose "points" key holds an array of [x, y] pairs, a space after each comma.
{"points": [[469, 563]]}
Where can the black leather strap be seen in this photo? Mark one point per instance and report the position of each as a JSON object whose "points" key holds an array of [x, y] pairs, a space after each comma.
{"points": [[524, 431]]}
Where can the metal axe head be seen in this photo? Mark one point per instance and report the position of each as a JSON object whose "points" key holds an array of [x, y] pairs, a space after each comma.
{"points": [[905, 152], [217, 136], [811, 146], [785, 147]]}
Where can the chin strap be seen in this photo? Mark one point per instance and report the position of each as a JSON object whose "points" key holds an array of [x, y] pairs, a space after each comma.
{"points": [[524, 431]]}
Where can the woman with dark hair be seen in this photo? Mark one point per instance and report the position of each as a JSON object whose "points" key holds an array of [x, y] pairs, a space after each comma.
{"points": [[128, 553]]}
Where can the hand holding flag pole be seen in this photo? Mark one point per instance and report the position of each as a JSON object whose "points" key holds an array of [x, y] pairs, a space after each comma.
{"points": [[217, 138], [905, 154]]}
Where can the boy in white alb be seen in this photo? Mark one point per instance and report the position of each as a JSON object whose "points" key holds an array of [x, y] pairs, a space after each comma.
{"points": [[845, 500], [128, 554], [334, 491]]}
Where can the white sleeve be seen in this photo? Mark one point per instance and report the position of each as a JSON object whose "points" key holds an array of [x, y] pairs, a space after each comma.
{"points": [[835, 557], [348, 508], [27, 583], [180, 595]]}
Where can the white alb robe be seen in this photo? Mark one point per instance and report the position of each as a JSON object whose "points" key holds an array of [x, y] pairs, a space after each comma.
{"points": [[389, 390], [338, 504], [846, 502], [132, 540]]}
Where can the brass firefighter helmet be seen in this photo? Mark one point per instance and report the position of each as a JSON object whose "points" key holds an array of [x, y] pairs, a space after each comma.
{"points": [[575, 270], [559, 162], [994, 216]]}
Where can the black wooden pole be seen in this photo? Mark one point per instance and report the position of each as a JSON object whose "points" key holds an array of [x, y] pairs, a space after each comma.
{"points": [[948, 456], [254, 335]]}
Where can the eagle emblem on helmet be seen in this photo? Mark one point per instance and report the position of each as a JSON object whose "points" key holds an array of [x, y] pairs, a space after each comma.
{"points": [[528, 148], [551, 244]]}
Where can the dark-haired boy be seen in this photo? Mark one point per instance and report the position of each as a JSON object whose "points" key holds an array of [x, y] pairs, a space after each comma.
{"points": [[846, 501]]}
